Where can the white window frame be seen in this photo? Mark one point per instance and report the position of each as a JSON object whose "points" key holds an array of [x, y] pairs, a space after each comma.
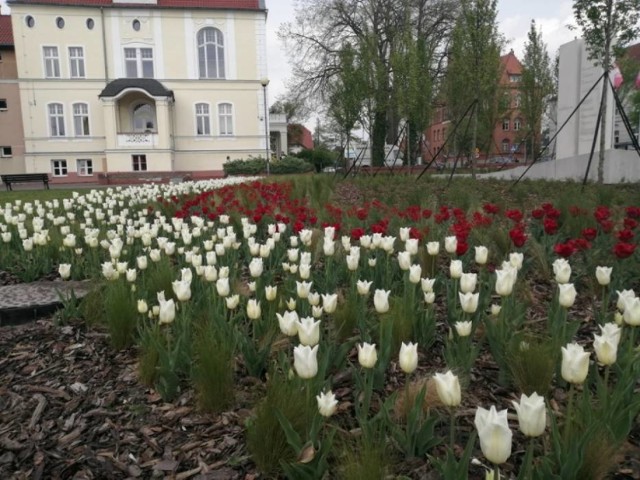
{"points": [[59, 168], [506, 146], [139, 61], [222, 131], [517, 124], [139, 163], [76, 62], [3, 151], [6, 105], [218, 68], [506, 123], [51, 63], [203, 119], [59, 120], [84, 167], [78, 117]]}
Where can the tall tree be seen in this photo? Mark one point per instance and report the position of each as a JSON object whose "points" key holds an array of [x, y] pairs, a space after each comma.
{"points": [[474, 71], [607, 26], [348, 92], [536, 86], [375, 29]]}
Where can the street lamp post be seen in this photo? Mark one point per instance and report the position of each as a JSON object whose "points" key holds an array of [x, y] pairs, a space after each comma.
{"points": [[264, 82]]}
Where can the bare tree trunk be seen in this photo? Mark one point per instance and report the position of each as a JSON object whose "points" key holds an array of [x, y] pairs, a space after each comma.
{"points": [[603, 129], [474, 141]]}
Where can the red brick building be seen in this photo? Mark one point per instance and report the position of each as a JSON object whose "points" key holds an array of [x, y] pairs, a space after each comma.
{"points": [[508, 134]]}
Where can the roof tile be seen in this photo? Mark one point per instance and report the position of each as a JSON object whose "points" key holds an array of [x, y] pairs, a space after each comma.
{"points": [[6, 32]]}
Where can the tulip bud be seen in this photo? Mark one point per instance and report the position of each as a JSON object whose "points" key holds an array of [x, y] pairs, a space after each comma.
{"points": [[495, 435], [495, 309], [433, 248], [532, 416], [409, 357], [291, 304], [575, 363], [427, 284], [415, 271], [482, 255], [451, 244], [352, 262], [256, 267], [411, 246], [142, 306], [303, 288], [305, 271], [367, 355], [270, 292], [329, 247], [505, 280], [327, 403], [330, 302], [64, 269], [469, 301], [603, 275], [314, 299], [141, 262], [288, 323], [131, 275], [463, 328], [182, 290], [622, 296], [516, 259], [305, 361], [448, 388], [631, 313], [567, 295], [606, 350], [232, 301], [222, 286], [308, 331], [363, 287], [381, 300], [562, 270], [468, 282], [429, 297], [253, 309], [372, 262], [167, 312], [404, 260], [455, 269]]}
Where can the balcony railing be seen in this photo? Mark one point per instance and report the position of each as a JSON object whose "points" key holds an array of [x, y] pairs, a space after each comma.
{"points": [[137, 139]]}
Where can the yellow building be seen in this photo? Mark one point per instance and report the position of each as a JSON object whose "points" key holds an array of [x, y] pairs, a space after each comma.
{"points": [[152, 89]]}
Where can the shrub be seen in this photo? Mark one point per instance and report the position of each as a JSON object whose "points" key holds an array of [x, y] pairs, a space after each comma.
{"points": [[290, 165], [250, 166], [319, 157]]}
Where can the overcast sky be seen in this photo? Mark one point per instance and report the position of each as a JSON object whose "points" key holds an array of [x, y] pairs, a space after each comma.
{"points": [[514, 17]]}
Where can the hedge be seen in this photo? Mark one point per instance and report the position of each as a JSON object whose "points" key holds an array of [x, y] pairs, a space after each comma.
{"points": [[257, 166]]}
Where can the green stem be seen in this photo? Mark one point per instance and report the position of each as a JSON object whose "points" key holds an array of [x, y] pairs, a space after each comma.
{"points": [[569, 420], [496, 470], [606, 387], [527, 463], [452, 428], [605, 301]]}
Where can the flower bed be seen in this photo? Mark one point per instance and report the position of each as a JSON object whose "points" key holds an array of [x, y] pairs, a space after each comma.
{"points": [[370, 330]]}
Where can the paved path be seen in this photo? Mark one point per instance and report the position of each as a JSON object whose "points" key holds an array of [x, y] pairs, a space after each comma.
{"points": [[27, 301]]}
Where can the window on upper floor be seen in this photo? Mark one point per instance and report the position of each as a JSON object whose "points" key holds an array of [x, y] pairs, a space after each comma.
{"points": [[3, 105], [211, 53], [505, 124], [59, 168], [6, 152], [76, 62], [51, 62], [81, 119], [138, 62], [56, 120], [518, 100], [225, 118], [517, 124], [84, 167], [203, 119], [515, 78]]}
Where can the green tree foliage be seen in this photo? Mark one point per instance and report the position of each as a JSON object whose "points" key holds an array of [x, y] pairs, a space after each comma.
{"points": [[379, 32], [607, 26], [473, 75], [536, 87]]}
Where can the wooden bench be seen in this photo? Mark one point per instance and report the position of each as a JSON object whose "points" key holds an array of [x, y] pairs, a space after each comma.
{"points": [[25, 178]]}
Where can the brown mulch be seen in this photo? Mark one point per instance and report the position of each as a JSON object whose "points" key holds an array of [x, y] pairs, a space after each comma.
{"points": [[72, 407]]}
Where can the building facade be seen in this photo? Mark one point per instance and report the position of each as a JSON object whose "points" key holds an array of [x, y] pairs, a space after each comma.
{"points": [[11, 136], [113, 87], [507, 141]]}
